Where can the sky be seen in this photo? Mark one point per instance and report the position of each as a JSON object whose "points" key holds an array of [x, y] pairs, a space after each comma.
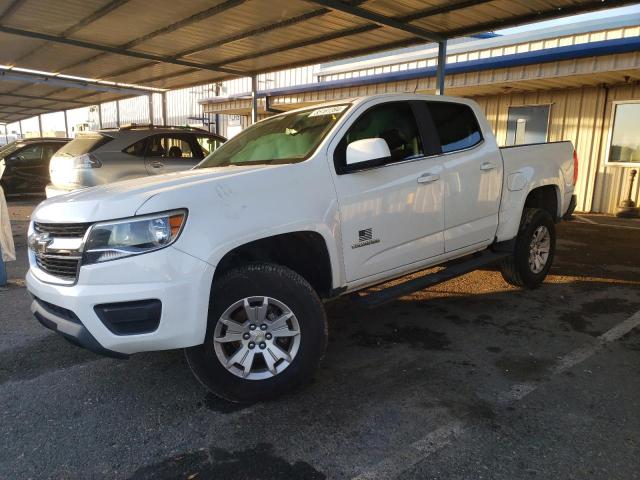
{"points": [[631, 10]]}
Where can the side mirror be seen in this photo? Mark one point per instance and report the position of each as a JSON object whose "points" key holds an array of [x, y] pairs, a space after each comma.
{"points": [[367, 153]]}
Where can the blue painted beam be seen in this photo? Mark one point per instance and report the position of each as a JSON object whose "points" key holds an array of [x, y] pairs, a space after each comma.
{"points": [[593, 49]]}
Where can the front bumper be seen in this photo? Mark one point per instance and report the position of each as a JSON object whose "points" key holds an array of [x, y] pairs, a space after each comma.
{"points": [[179, 281]]}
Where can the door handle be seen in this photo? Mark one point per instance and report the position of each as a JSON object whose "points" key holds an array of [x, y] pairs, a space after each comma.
{"points": [[486, 166], [157, 164], [428, 178]]}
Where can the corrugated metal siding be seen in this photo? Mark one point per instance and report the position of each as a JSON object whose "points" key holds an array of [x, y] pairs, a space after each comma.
{"points": [[430, 55], [582, 116]]}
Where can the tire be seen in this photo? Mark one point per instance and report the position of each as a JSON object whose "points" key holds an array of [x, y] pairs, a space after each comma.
{"points": [[243, 292], [517, 269]]}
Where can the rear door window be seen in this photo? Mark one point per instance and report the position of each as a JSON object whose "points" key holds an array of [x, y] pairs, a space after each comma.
{"points": [[456, 125], [170, 146], [30, 153], [208, 144], [50, 149], [137, 149]]}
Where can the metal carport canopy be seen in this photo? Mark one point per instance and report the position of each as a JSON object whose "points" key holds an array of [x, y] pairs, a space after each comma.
{"points": [[118, 46]]}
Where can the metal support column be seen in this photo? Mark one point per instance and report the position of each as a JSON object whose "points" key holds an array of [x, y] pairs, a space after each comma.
{"points": [[442, 63], [254, 99], [165, 120], [118, 113], [6, 134], [151, 109], [100, 116], [20, 125], [66, 124], [40, 125]]}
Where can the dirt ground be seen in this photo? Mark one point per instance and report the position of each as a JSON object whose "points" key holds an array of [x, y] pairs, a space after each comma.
{"points": [[470, 379]]}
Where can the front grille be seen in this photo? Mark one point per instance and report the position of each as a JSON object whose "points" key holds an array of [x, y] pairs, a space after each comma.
{"points": [[59, 265], [62, 230]]}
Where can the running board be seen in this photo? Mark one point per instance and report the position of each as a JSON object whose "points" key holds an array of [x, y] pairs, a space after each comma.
{"points": [[451, 270]]}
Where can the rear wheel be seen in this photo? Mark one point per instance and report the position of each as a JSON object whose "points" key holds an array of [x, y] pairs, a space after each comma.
{"points": [[266, 334], [534, 250]]}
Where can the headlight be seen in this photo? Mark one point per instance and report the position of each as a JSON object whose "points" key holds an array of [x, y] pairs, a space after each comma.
{"points": [[132, 236]]}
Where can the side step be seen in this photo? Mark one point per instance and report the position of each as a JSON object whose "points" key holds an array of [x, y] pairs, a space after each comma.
{"points": [[451, 270]]}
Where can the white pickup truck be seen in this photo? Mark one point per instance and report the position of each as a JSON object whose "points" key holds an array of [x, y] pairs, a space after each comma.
{"points": [[232, 260]]}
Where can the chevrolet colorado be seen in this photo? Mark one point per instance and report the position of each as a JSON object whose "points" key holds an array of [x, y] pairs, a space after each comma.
{"points": [[232, 260]]}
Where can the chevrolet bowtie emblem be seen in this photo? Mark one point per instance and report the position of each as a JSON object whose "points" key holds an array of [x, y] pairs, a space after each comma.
{"points": [[38, 242]]}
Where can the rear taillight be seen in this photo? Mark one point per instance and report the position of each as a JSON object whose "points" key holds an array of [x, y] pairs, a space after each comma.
{"points": [[575, 167], [86, 161]]}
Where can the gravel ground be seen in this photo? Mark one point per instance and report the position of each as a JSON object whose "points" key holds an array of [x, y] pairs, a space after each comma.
{"points": [[470, 379]]}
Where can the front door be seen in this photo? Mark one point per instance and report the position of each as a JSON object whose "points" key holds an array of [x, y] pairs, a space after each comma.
{"points": [[391, 216]]}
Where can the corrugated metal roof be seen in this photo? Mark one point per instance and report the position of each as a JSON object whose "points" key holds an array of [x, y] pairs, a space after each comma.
{"points": [[168, 44]]}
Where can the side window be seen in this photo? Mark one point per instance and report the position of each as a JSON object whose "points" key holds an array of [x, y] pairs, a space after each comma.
{"points": [[50, 149], [169, 146], [137, 149], [30, 153], [208, 144], [395, 123], [456, 125]]}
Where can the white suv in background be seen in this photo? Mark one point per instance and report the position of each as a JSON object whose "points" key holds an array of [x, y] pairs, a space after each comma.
{"points": [[106, 156]]}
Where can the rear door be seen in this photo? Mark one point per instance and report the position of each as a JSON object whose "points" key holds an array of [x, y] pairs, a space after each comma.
{"points": [[25, 167], [172, 152], [472, 176]]}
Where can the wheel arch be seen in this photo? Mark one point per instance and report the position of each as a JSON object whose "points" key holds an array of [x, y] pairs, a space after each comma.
{"points": [[303, 251]]}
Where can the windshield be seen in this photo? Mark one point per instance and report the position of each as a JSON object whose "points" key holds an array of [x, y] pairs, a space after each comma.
{"points": [[287, 138]]}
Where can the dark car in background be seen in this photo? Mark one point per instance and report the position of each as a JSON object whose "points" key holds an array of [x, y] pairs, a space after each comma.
{"points": [[24, 164]]}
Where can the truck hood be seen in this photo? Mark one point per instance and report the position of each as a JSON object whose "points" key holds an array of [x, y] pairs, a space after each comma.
{"points": [[123, 199]]}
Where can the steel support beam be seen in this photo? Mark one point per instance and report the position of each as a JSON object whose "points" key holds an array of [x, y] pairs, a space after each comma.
{"points": [[100, 116], [254, 99], [203, 15], [442, 65], [40, 125], [20, 126], [118, 113], [111, 49], [66, 124], [165, 120], [150, 97], [380, 19], [14, 76], [51, 99]]}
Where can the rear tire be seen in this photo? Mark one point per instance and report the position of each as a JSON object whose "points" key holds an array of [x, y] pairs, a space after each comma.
{"points": [[251, 350], [534, 250]]}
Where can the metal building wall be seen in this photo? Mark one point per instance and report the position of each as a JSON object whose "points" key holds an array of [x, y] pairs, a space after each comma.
{"points": [[582, 115]]}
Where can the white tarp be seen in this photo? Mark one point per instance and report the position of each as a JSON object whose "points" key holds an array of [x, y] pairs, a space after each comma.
{"points": [[6, 237]]}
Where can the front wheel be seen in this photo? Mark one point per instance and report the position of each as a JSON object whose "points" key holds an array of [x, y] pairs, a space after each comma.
{"points": [[534, 250], [266, 334]]}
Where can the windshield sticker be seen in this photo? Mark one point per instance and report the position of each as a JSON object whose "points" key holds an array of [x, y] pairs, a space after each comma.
{"points": [[328, 111]]}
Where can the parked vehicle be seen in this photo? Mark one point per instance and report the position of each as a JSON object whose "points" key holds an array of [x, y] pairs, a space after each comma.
{"points": [[24, 164], [107, 156], [232, 260]]}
